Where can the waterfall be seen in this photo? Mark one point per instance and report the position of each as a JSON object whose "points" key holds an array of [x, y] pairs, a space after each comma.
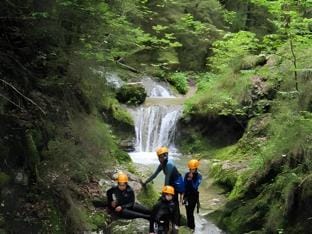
{"points": [[155, 124]]}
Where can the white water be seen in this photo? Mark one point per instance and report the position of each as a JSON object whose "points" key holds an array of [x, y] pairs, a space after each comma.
{"points": [[155, 124]]}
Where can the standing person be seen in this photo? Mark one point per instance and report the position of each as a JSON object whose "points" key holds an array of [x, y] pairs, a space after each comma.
{"points": [[121, 201], [172, 175], [164, 212], [192, 180]]}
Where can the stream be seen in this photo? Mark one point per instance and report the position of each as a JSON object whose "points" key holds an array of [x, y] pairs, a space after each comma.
{"points": [[155, 125]]}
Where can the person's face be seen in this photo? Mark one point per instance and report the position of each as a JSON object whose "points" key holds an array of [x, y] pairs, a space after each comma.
{"points": [[162, 158], [193, 170], [168, 197], [122, 186]]}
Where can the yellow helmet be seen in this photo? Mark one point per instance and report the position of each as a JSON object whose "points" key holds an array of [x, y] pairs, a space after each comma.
{"points": [[168, 189], [161, 150], [193, 164], [122, 178]]}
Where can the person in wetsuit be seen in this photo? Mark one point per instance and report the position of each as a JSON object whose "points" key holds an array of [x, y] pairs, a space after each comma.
{"points": [[165, 213], [167, 166], [121, 201], [192, 180]]}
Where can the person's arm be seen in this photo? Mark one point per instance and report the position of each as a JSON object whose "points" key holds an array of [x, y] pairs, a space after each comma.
{"points": [[154, 174], [130, 199], [109, 195]]}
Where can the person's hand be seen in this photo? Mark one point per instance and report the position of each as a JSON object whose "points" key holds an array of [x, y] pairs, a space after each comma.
{"points": [[181, 198], [190, 176], [114, 204], [143, 184], [118, 209]]}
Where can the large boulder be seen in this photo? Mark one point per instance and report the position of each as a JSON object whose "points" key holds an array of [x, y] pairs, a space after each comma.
{"points": [[131, 94]]}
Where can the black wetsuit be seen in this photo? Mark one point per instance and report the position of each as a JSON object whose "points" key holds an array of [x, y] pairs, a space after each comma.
{"points": [[126, 199], [191, 197], [164, 212]]}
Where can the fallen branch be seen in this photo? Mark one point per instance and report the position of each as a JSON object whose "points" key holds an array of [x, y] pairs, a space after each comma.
{"points": [[126, 66], [10, 101], [28, 99]]}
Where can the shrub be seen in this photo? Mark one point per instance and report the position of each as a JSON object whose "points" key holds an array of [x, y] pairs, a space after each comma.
{"points": [[179, 81]]}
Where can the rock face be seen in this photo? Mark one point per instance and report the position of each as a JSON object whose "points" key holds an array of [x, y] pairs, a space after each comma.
{"points": [[132, 94]]}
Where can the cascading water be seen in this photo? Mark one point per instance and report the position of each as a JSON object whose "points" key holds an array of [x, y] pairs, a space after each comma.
{"points": [[155, 124]]}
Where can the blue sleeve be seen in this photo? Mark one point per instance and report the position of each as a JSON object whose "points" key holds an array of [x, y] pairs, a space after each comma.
{"points": [[154, 174], [169, 170], [197, 182]]}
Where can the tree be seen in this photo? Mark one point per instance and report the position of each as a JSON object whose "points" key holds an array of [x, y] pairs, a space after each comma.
{"points": [[293, 24]]}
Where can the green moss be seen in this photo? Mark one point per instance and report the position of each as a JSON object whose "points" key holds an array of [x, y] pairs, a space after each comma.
{"points": [[54, 223], [122, 115], [33, 157], [97, 219], [252, 61], [4, 179], [122, 156], [148, 196], [223, 177], [83, 148]]}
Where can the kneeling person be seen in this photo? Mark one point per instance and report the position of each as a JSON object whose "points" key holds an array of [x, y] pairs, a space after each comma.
{"points": [[164, 212], [121, 201]]}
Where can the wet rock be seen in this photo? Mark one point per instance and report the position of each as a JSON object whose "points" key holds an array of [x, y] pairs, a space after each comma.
{"points": [[127, 144], [21, 178], [130, 226]]}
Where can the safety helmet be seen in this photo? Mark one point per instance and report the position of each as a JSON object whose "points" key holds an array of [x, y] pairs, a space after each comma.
{"points": [[168, 189], [193, 164], [122, 178], [161, 150]]}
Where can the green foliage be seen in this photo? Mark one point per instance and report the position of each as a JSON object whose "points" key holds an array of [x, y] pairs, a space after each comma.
{"points": [[220, 95], [232, 47], [179, 81], [187, 23], [84, 147]]}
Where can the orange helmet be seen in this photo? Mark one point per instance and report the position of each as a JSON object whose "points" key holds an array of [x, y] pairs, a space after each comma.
{"points": [[122, 178], [168, 189], [193, 164], [161, 150]]}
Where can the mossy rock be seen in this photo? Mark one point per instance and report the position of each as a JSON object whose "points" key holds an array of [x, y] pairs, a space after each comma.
{"points": [[251, 61], [148, 197], [131, 94], [123, 226]]}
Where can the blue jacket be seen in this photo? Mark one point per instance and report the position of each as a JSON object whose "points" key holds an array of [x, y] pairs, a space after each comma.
{"points": [[191, 186]]}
